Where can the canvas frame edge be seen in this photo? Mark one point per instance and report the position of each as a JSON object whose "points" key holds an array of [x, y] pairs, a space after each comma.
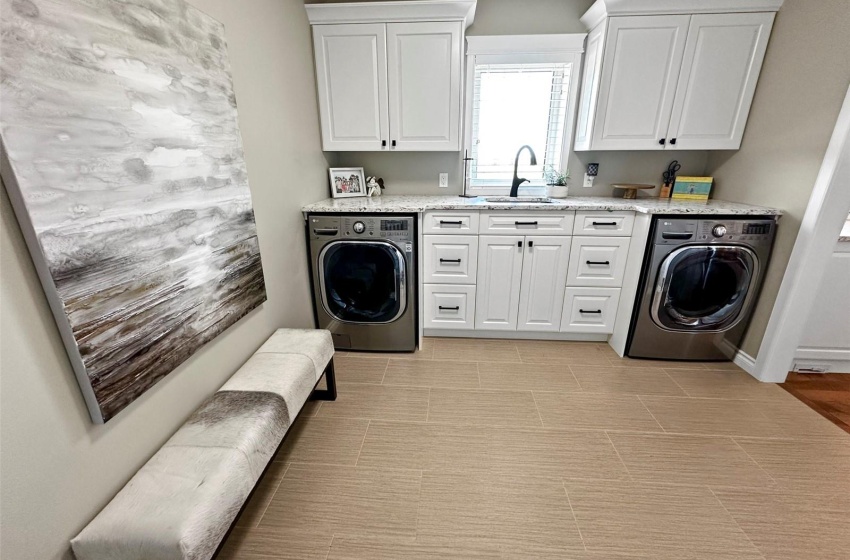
{"points": [[39, 261]]}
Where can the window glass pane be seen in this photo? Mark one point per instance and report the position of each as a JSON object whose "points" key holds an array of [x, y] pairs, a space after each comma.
{"points": [[513, 105]]}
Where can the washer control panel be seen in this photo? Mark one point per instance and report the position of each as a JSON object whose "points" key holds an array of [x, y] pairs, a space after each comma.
{"points": [[678, 231], [399, 229]]}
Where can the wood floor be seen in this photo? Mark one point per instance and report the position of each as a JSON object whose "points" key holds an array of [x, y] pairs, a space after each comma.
{"points": [[826, 393], [544, 450]]}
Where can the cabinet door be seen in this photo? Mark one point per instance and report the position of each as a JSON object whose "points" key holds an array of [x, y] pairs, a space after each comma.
{"points": [[590, 310], [640, 69], [424, 85], [499, 275], [590, 78], [598, 261], [544, 275], [351, 74], [721, 66]]}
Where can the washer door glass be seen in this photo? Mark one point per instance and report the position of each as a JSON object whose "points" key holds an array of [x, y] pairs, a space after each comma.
{"points": [[363, 282], [703, 288]]}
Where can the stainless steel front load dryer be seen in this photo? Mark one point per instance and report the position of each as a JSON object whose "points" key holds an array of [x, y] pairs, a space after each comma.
{"points": [[698, 286], [364, 280]]}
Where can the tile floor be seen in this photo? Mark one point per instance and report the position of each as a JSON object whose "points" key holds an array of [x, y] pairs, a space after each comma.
{"points": [[524, 450]]}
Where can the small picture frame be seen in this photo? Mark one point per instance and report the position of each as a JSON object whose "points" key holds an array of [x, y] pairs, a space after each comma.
{"points": [[347, 182]]}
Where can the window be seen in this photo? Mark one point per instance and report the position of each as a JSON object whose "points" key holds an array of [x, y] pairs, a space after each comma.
{"points": [[518, 97]]}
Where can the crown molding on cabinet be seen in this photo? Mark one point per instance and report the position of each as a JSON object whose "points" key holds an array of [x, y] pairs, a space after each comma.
{"points": [[395, 11], [605, 8]]}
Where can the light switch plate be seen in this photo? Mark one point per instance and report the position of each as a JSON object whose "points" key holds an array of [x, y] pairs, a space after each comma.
{"points": [[444, 180]]}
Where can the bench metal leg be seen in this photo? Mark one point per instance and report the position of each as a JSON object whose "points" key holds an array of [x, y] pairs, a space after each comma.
{"points": [[328, 394]]}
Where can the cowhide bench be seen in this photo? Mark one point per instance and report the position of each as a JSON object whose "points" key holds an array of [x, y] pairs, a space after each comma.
{"points": [[182, 502]]}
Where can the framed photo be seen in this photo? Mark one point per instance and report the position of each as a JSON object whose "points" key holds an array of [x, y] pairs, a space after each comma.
{"points": [[347, 182]]}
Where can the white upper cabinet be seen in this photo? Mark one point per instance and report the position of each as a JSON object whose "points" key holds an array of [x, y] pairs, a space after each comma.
{"points": [[424, 85], [389, 74], [668, 75], [351, 74], [640, 70], [722, 62]]}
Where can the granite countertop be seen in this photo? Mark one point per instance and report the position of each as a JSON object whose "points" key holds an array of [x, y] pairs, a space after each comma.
{"points": [[421, 203]]}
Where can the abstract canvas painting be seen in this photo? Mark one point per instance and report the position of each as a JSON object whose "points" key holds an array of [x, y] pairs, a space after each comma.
{"points": [[123, 160]]}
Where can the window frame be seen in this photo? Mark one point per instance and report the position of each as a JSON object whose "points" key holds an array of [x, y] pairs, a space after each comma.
{"points": [[523, 49]]}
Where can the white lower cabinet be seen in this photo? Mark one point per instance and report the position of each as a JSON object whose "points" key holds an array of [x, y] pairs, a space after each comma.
{"points": [[598, 261], [541, 295], [449, 306], [590, 310], [499, 276], [451, 259]]}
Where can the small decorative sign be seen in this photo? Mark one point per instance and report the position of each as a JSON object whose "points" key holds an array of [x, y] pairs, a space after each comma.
{"points": [[692, 188]]}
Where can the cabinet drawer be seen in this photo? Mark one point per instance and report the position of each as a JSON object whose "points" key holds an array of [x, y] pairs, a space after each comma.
{"points": [[598, 261], [531, 223], [604, 223], [449, 306], [451, 259], [450, 222], [590, 310]]}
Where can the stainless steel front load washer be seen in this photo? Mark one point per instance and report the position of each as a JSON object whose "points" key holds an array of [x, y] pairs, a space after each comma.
{"points": [[698, 286], [364, 280]]}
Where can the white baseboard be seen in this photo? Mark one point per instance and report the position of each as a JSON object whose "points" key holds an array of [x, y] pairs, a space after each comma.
{"points": [[516, 335], [745, 362]]}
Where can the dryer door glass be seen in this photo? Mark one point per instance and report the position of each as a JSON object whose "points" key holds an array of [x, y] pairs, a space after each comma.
{"points": [[363, 282], [703, 288]]}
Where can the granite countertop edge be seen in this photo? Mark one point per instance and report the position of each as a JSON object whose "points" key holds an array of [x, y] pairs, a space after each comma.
{"points": [[422, 203]]}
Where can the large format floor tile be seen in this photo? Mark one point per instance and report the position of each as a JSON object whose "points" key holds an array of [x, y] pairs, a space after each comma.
{"points": [[438, 549], [710, 416], [631, 381], [274, 544], [483, 408], [381, 402], [353, 501], [814, 465], [262, 495], [474, 349], [360, 370], [324, 440], [555, 453], [684, 459], [562, 353], [526, 377], [511, 511], [432, 373], [656, 521], [723, 384], [595, 411], [425, 446], [788, 526]]}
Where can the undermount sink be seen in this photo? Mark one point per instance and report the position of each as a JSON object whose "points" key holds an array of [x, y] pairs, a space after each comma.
{"points": [[519, 200]]}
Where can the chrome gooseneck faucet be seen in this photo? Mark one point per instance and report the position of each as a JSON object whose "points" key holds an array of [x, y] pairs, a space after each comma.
{"points": [[517, 181]]}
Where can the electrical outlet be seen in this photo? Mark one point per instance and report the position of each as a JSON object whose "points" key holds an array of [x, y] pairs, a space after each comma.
{"points": [[811, 367], [588, 181], [444, 180]]}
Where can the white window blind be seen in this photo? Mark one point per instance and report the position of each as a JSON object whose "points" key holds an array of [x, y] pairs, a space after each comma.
{"points": [[513, 104]]}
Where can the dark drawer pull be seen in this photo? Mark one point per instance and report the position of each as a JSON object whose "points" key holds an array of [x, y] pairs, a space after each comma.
{"points": [[599, 262], [451, 223], [605, 223], [594, 311], [450, 261], [455, 308], [322, 231], [525, 223]]}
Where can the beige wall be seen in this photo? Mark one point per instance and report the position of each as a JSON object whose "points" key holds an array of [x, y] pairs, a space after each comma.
{"points": [[800, 91], [417, 173], [58, 469]]}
